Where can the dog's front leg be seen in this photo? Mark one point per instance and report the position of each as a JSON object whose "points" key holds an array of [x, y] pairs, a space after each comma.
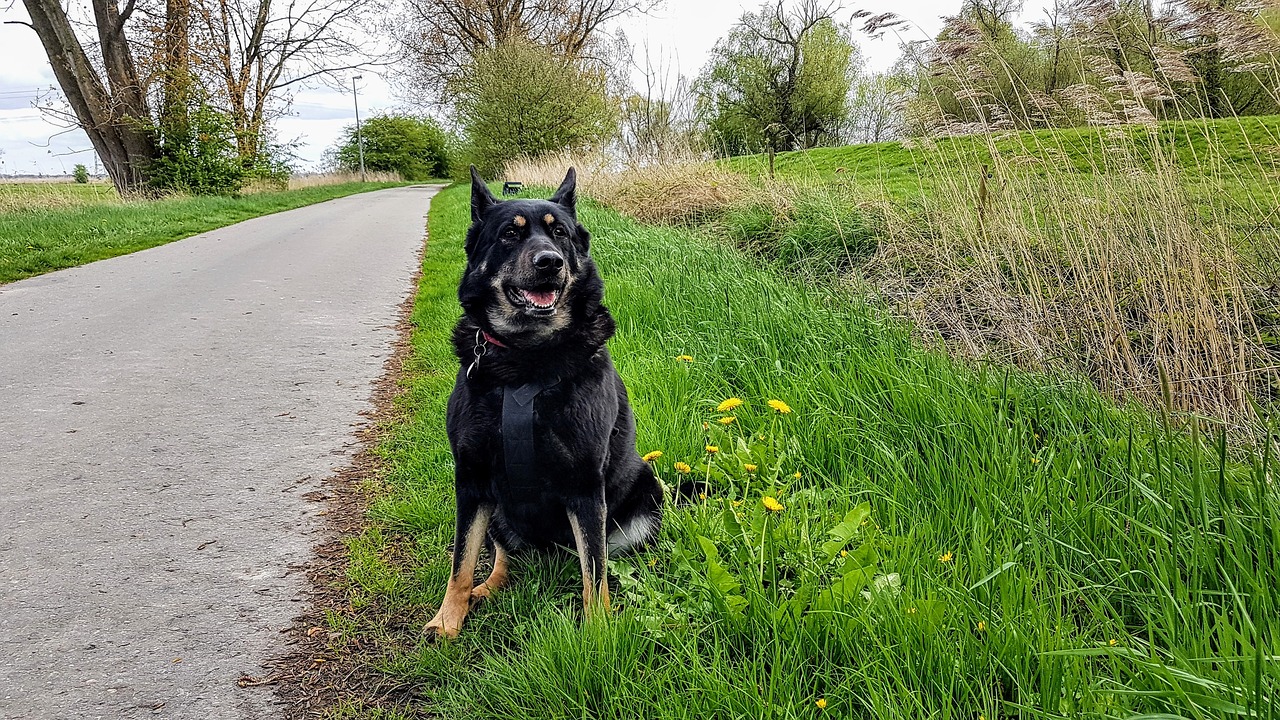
{"points": [[587, 518], [473, 523]]}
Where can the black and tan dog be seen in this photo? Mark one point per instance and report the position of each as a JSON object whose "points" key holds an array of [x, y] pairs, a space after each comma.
{"points": [[541, 430]]}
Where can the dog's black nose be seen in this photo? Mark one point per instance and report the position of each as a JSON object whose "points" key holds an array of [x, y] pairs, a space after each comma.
{"points": [[548, 260]]}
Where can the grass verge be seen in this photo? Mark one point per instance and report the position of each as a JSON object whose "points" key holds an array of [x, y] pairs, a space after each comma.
{"points": [[1145, 258], [66, 229], [941, 541]]}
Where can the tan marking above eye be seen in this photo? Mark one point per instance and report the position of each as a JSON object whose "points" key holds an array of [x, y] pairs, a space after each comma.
{"points": [[519, 221], [549, 218]]}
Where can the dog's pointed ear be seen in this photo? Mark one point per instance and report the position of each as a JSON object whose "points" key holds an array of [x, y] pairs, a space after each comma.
{"points": [[481, 198], [567, 194]]}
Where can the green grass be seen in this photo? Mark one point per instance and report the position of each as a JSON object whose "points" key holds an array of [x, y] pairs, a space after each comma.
{"points": [[1232, 148], [45, 228], [1102, 564]]}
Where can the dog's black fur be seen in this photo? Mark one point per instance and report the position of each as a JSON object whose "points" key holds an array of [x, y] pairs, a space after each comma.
{"points": [[587, 470]]}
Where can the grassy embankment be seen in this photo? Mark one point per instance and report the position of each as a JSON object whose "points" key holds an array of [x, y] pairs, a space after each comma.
{"points": [[1135, 256], [1026, 549], [46, 227]]}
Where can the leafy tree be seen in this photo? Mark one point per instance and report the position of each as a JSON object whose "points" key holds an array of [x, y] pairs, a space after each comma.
{"points": [[441, 39], [779, 80], [81, 174], [415, 147], [522, 99]]}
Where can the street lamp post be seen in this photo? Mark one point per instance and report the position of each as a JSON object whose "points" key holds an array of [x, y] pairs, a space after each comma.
{"points": [[359, 138]]}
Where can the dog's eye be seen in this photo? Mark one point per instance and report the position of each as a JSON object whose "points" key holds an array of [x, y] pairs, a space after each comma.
{"points": [[559, 230], [510, 234]]}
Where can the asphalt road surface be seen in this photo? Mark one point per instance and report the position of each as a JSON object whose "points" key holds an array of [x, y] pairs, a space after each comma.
{"points": [[161, 416]]}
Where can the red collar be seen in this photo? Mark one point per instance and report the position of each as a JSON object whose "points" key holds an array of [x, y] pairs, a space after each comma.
{"points": [[492, 340]]}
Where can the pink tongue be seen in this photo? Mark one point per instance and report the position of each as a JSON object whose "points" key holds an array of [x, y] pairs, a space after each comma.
{"points": [[540, 298]]}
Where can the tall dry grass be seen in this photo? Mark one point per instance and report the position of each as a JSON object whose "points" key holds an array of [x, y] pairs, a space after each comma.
{"points": [[37, 196], [686, 190], [1130, 276], [297, 182]]}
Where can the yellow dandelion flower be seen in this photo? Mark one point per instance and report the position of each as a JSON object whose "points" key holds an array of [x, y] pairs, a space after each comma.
{"points": [[749, 467], [1035, 460], [771, 504], [737, 503], [911, 611], [727, 420], [982, 717], [821, 703], [946, 557], [797, 475], [780, 406], [729, 404], [982, 626], [682, 467], [651, 456], [844, 553], [713, 449], [702, 496], [653, 562], [1112, 642], [685, 358]]}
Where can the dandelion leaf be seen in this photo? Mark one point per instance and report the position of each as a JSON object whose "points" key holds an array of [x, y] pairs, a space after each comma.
{"points": [[846, 530], [724, 585], [844, 590]]}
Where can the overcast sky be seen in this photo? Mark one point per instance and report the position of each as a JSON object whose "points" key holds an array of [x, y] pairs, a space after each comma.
{"points": [[682, 31]]}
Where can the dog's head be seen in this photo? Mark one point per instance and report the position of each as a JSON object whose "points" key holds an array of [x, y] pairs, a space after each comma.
{"points": [[528, 273]]}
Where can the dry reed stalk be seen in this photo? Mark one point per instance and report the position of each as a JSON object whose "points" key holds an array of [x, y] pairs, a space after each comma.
{"points": [[678, 192], [1112, 275]]}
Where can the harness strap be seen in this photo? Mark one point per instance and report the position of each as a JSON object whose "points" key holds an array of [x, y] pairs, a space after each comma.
{"points": [[517, 432]]}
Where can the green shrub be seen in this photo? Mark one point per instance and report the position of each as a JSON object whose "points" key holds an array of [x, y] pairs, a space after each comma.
{"points": [[81, 174], [198, 156], [416, 147]]}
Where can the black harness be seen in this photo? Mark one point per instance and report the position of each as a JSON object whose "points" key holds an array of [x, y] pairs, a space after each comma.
{"points": [[517, 432], [517, 422]]}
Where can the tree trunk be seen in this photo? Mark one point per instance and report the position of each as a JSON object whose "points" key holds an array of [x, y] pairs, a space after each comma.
{"points": [[116, 121], [176, 101]]}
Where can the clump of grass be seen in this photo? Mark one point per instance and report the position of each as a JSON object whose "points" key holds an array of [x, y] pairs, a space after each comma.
{"points": [[1124, 274], [680, 191]]}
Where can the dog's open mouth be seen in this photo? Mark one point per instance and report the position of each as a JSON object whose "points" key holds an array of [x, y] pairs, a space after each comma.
{"points": [[535, 302]]}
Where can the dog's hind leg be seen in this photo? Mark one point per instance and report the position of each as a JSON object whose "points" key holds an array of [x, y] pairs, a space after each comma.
{"points": [[496, 579], [587, 521], [473, 524]]}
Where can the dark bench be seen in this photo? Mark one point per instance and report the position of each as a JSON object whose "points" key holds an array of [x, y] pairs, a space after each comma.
{"points": [[512, 187]]}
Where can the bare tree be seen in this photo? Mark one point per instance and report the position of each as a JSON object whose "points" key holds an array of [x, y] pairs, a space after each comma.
{"points": [[440, 37], [252, 50], [107, 97], [992, 16], [657, 119]]}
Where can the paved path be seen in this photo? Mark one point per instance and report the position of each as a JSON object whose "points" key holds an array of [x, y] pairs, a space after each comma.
{"points": [[161, 416]]}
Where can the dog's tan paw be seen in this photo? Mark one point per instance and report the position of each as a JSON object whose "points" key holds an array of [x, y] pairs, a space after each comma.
{"points": [[481, 592], [439, 631]]}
